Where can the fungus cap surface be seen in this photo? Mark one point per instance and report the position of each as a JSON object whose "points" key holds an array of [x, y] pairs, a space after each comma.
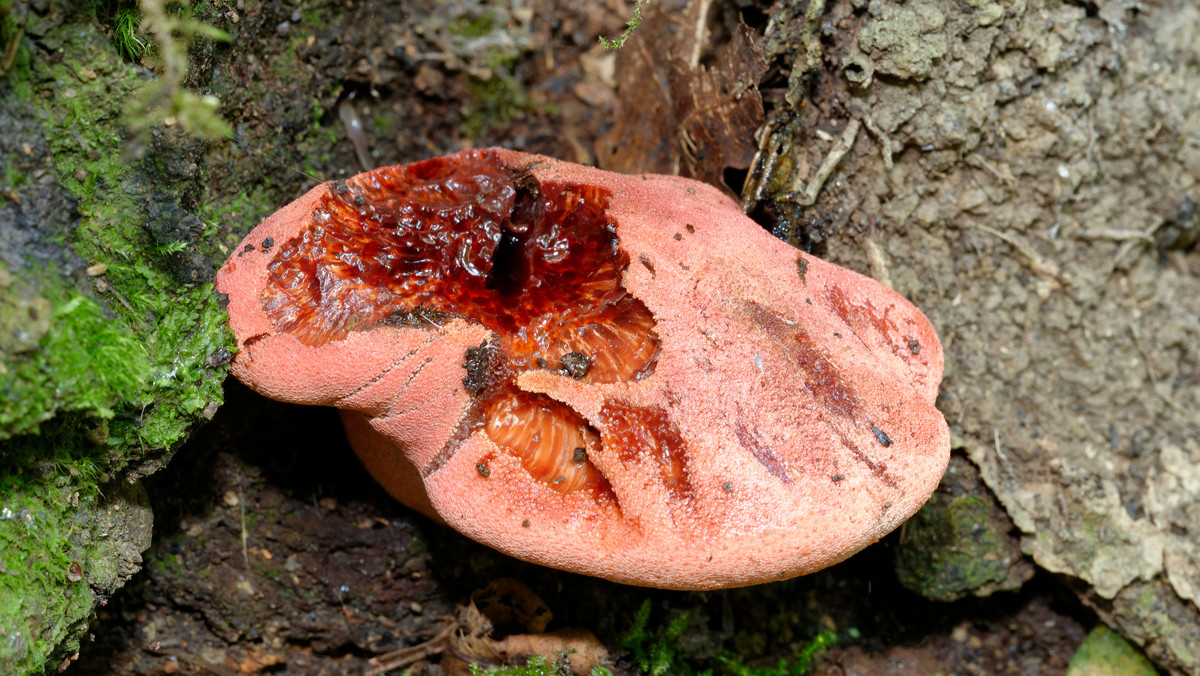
{"points": [[621, 376]]}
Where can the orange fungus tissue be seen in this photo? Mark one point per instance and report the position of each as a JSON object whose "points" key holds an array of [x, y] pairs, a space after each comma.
{"points": [[621, 376]]}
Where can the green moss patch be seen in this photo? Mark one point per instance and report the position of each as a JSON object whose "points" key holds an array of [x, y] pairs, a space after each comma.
{"points": [[114, 344], [73, 358]]}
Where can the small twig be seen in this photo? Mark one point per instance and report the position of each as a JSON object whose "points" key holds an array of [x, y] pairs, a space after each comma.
{"points": [[346, 616], [879, 268], [120, 298], [766, 154], [996, 444], [1137, 343], [245, 534], [698, 33], [406, 656], [14, 46], [887, 147], [1131, 244], [808, 196], [1115, 235], [976, 161], [196, 662], [1039, 264]]}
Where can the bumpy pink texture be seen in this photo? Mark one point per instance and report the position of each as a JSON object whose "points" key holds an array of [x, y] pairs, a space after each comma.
{"points": [[803, 392]]}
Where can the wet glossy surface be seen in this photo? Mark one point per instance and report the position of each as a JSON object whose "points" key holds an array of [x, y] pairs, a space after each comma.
{"points": [[469, 237]]}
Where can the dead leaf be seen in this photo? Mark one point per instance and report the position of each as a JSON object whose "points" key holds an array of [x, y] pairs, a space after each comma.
{"points": [[678, 116]]}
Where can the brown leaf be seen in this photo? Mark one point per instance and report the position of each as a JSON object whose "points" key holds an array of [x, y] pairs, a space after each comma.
{"points": [[473, 645], [676, 115]]}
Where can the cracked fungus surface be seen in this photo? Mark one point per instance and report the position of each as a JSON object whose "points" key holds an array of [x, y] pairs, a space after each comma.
{"points": [[695, 405], [539, 266]]}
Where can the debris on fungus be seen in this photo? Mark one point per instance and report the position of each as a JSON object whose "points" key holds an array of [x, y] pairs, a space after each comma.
{"points": [[726, 412]]}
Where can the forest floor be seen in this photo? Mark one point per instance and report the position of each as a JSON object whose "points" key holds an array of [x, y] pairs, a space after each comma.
{"points": [[275, 552]]}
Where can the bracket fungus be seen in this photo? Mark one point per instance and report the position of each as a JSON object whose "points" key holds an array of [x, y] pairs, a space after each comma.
{"points": [[616, 375]]}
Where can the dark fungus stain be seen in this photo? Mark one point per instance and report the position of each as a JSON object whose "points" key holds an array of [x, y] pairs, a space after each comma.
{"points": [[914, 346], [575, 365], [483, 469], [248, 248], [802, 268], [878, 469], [881, 436], [678, 236], [646, 263], [821, 376], [221, 356], [417, 318], [360, 200], [580, 454], [525, 523], [838, 478], [254, 339], [727, 487], [691, 228], [268, 243], [476, 364], [859, 316], [750, 440], [340, 187], [542, 363]]}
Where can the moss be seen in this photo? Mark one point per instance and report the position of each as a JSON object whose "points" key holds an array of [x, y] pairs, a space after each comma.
{"points": [[630, 27], [228, 218], [108, 373], [959, 543], [179, 327], [498, 99], [1105, 652], [473, 26], [948, 548], [81, 361], [659, 652], [496, 96], [656, 652], [536, 666], [40, 606], [123, 18], [14, 56]]}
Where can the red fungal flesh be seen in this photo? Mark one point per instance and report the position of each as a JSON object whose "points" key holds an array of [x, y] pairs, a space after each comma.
{"points": [[752, 442], [536, 264], [645, 435], [821, 376], [860, 315]]}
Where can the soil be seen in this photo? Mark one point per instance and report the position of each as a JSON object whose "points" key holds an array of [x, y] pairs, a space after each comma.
{"points": [[1024, 172], [274, 551]]}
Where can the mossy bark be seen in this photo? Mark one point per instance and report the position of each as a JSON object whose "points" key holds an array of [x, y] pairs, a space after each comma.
{"points": [[113, 339]]}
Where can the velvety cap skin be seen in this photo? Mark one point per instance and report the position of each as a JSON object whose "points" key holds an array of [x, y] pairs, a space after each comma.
{"points": [[783, 420]]}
